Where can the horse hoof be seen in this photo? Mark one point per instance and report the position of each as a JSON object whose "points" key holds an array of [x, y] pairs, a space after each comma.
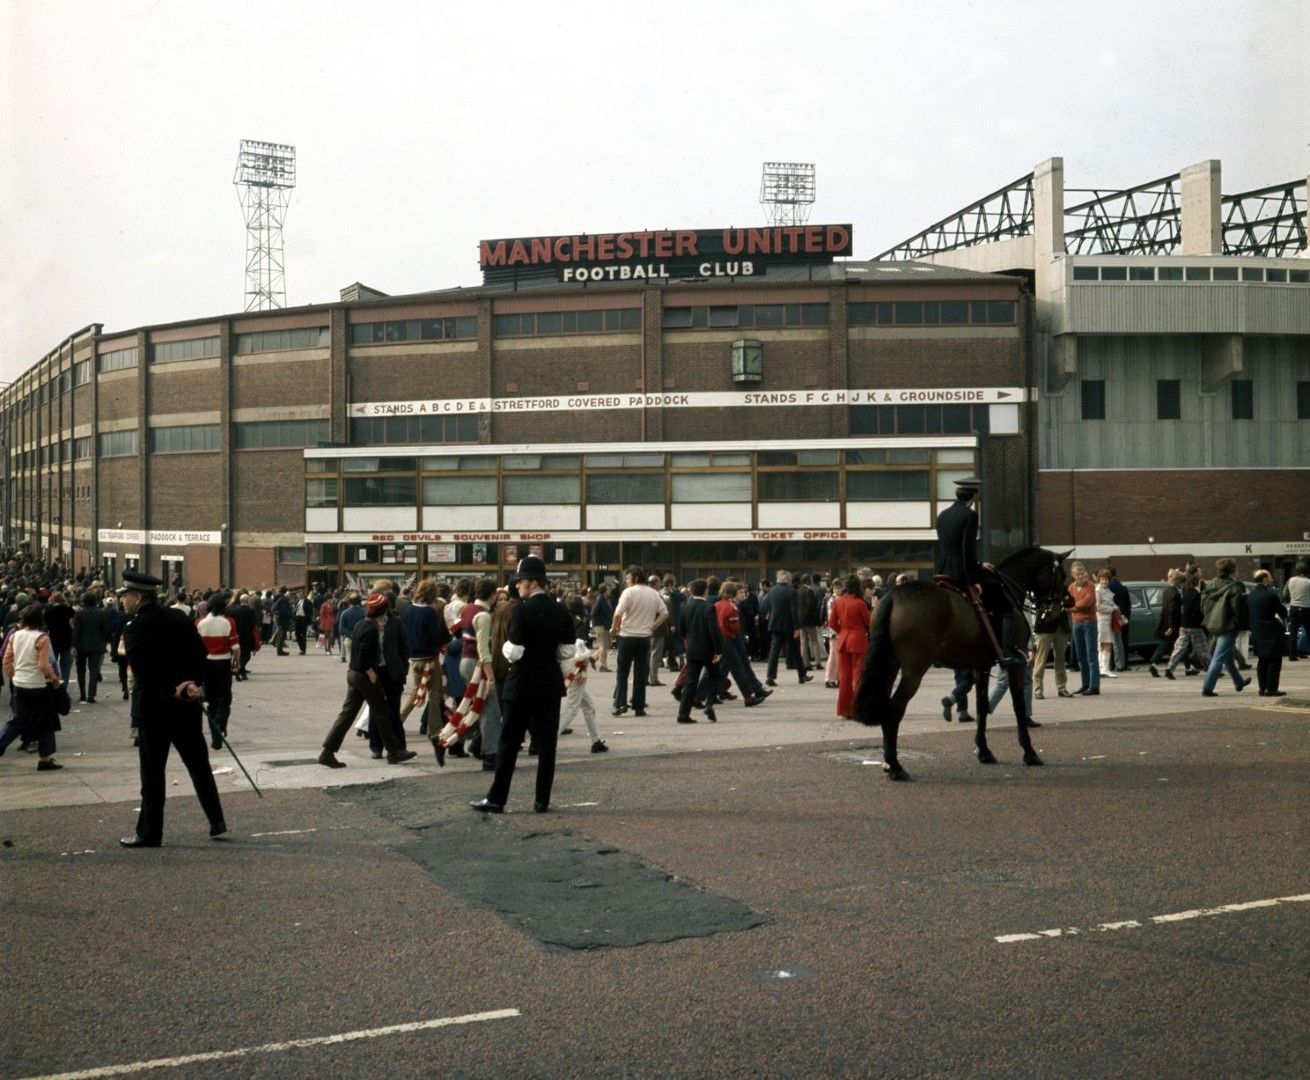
{"points": [[1031, 758], [895, 772], [986, 757]]}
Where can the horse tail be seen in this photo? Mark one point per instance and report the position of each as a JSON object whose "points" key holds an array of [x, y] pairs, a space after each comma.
{"points": [[873, 698]]}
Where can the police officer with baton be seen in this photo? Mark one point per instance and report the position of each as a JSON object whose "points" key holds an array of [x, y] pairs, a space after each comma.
{"points": [[167, 657]]}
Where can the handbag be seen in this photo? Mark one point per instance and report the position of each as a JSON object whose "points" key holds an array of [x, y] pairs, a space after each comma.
{"points": [[1116, 621], [59, 696]]}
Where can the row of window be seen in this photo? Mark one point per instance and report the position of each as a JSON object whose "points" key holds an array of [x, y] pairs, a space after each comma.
{"points": [[376, 333], [1169, 399], [732, 315], [278, 340], [534, 323], [195, 349], [919, 419], [119, 359], [934, 313], [1277, 275], [412, 430], [609, 489]]}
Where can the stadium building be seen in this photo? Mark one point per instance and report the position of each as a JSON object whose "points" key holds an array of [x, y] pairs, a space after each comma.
{"points": [[723, 400]]}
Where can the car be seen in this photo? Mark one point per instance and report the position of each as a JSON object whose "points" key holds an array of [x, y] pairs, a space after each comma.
{"points": [[1145, 616]]}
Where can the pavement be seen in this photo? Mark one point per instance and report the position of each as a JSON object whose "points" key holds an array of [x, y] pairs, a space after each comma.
{"points": [[750, 897]]}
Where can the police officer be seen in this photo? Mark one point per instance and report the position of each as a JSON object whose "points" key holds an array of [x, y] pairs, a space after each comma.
{"points": [[531, 700], [957, 539], [167, 659]]}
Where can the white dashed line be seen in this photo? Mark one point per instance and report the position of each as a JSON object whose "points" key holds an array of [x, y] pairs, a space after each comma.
{"points": [[1133, 924], [271, 1048]]}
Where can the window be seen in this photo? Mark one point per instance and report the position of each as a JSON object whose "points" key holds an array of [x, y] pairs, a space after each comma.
{"points": [[919, 419], [82, 373], [616, 488], [379, 491], [119, 359], [193, 438], [706, 460], [279, 434], [1275, 275], [195, 349], [321, 491], [1225, 273], [765, 315], [539, 461], [278, 340], [1198, 273], [901, 457], [1303, 401], [82, 448], [1141, 273], [886, 486], [463, 463], [1169, 273], [446, 329], [1086, 273], [570, 322], [955, 311], [1093, 397], [908, 313], [118, 443], [798, 487], [798, 457], [410, 430], [1114, 273], [632, 461], [1168, 399], [1243, 399], [543, 490], [1252, 273], [1299, 277], [456, 491], [712, 488]]}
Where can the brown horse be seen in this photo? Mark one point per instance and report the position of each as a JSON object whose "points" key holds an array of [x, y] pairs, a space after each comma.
{"points": [[920, 625]]}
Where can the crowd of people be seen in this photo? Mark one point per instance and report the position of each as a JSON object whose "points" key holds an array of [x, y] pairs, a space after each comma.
{"points": [[441, 649]]}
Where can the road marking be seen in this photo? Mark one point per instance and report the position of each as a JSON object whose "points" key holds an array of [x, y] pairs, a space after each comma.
{"points": [[270, 1048], [1172, 917]]}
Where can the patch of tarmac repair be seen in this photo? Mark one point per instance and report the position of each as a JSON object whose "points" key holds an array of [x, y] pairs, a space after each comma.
{"points": [[564, 890]]}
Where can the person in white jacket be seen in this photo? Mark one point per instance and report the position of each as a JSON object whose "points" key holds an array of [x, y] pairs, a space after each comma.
{"points": [[577, 697], [1105, 609]]}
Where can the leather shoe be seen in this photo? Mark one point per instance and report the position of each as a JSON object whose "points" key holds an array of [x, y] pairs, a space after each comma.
{"points": [[1275, 693], [440, 751], [218, 828], [1208, 693], [487, 806], [770, 682], [638, 712], [686, 719], [947, 703], [1243, 685], [457, 750], [1031, 723], [541, 808], [599, 747], [751, 702], [137, 841], [1065, 693], [48, 766], [404, 755], [709, 715], [619, 711], [330, 760]]}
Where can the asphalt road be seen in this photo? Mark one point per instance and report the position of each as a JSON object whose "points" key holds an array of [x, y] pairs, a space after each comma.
{"points": [[734, 906]]}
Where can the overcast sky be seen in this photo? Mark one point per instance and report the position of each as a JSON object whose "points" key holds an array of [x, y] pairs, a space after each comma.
{"points": [[421, 128]]}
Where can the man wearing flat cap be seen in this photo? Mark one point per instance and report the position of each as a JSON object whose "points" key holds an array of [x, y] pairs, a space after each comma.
{"points": [[538, 627], [167, 659]]}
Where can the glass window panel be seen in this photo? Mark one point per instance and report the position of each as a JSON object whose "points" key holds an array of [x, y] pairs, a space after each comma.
{"points": [[466, 326], [699, 316], [1225, 273], [688, 460], [1243, 399], [560, 461], [909, 314], [604, 461], [798, 487], [886, 486], [568, 322], [1114, 273], [814, 314], [1303, 400], [1168, 399], [816, 457], [954, 457], [614, 320], [1086, 273], [1141, 273], [777, 457], [1275, 275], [644, 461], [978, 311], [956, 419], [723, 316], [793, 315], [379, 491], [866, 457], [1169, 273], [946, 481], [1253, 273], [591, 321], [770, 315], [612, 488], [955, 311], [359, 464], [1000, 311], [549, 322], [521, 461], [457, 491], [883, 312], [711, 488], [730, 459], [396, 464], [677, 317], [1093, 399], [321, 491], [932, 312], [859, 313], [630, 319], [505, 325], [911, 419], [320, 465], [544, 490], [1297, 277], [1198, 273], [864, 420]]}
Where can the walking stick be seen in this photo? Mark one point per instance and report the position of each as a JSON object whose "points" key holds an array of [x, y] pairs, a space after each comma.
{"points": [[223, 735]]}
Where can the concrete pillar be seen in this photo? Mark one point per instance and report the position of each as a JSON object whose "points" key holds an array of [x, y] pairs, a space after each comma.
{"points": [[1048, 210], [1201, 198], [1061, 361], [1221, 359]]}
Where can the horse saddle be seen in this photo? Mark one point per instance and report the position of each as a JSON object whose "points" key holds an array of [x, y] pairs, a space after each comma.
{"points": [[973, 594]]}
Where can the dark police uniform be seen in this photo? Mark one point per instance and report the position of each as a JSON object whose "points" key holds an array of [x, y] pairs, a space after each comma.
{"points": [[531, 698], [957, 538], [164, 650]]}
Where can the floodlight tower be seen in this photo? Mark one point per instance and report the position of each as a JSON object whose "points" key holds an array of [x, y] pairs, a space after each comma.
{"points": [[787, 192], [266, 173]]}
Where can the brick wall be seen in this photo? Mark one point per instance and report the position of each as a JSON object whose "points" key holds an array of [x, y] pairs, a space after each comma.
{"points": [[268, 491], [185, 491]]}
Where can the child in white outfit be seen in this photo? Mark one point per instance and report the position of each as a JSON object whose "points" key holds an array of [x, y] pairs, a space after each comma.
{"points": [[577, 697]]}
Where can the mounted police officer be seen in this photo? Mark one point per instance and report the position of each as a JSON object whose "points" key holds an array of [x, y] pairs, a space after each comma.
{"points": [[957, 539], [167, 658]]}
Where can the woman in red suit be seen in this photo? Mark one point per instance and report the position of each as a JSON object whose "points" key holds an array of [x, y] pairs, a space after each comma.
{"points": [[850, 618]]}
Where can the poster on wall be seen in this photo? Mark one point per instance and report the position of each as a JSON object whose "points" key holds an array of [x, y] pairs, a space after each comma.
{"points": [[479, 554], [511, 554], [538, 550], [441, 553]]}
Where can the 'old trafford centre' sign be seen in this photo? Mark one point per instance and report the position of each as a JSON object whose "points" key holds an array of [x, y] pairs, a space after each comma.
{"points": [[661, 254]]}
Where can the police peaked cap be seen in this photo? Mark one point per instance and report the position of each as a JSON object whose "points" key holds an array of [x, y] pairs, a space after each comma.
{"points": [[135, 581]]}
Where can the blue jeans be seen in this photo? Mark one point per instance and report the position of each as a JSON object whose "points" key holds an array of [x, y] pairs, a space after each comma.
{"points": [[1222, 658], [734, 657], [1084, 644], [1003, 686]]}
